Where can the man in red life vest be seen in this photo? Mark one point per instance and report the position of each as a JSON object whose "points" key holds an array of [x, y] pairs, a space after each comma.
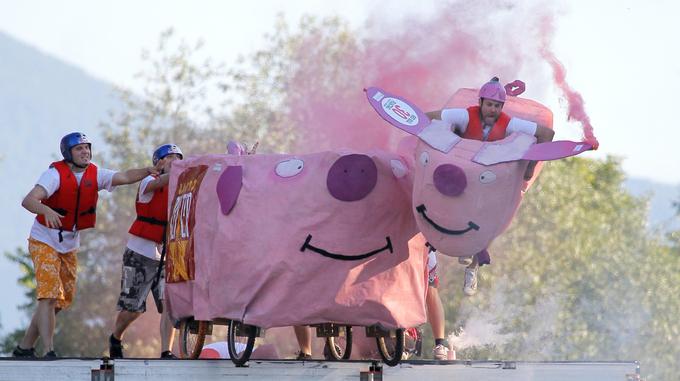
{"points": [[64, 200], [486, 122], [141, 259]]}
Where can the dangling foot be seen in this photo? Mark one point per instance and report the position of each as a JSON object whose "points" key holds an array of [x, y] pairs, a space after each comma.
{"points": [[470, 285]]}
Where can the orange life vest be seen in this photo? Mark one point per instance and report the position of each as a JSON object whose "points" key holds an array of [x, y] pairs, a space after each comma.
{"points": [[475, 130], [152, 216], [77, 203]]}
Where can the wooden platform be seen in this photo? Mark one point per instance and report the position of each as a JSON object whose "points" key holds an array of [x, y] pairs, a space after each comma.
{"points": [[282, 370]]}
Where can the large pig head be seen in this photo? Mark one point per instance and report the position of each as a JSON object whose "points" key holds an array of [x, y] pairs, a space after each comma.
{"points": [[465, 192]]}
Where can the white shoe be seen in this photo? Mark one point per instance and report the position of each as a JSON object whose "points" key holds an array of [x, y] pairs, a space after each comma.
{"points": [[470, 285], [465, 261], [440, 352]]}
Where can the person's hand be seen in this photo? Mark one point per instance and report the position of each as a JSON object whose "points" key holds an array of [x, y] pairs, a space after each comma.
{"points": [[252, 150], [52, 218], [156, 170]]}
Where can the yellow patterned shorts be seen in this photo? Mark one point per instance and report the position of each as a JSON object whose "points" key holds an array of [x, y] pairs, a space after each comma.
{"points": [[55, 273]]}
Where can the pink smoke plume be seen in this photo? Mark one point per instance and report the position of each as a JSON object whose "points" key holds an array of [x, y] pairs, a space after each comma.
{"points": [[574, 99], [425, 59], [576, 105]]}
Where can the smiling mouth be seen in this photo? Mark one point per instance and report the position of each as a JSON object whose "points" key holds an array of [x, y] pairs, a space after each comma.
{"points": [[471, 225], [307, 246]]}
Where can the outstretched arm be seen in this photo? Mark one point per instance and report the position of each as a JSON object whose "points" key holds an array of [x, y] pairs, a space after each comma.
{"points": [[434, 114], [157, 183], [132, 175]]}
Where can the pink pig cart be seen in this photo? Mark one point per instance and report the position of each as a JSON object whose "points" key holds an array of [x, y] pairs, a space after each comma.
{"points": [[276, 240]]}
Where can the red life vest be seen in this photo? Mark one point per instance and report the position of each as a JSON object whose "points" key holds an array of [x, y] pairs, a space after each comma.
{"points": [[77, 203], [152, 216], [474, 129]]}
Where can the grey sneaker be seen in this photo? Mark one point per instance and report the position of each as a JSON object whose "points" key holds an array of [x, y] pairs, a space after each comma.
{"points": [[465, 261], [470, 285], [440, 352]]}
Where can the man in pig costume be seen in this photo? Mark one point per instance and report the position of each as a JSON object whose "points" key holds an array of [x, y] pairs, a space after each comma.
{"points": [[487, 122], [466, 190]]}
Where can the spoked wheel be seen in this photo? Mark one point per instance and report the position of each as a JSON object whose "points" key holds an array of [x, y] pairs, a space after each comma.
{"points": [[191, 337], [240, 339], [340, 347], [391, 347]]}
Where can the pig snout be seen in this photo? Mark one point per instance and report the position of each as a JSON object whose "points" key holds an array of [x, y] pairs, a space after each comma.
{"points": [[449, 180], [352, 177]]}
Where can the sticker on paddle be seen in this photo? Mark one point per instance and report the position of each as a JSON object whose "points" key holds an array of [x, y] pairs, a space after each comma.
{"points": [[397, 111]]}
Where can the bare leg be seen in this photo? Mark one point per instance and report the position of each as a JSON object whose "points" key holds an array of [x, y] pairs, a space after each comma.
{"points": [[304, 338], [167, 330], [42, 324], [123, 321], [31, 335], [475, 263], [435, 313]]}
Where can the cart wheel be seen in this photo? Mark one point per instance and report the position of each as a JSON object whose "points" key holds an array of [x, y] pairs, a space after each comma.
{"points": [[391, 347], [240, 339], [340, 347], [191, 337]]}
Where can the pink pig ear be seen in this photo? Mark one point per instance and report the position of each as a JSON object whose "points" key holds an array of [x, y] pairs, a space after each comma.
{"points": [[509, 149], [406, 116], [521, 147], [235, 148], [556, 150], [439, 136]]}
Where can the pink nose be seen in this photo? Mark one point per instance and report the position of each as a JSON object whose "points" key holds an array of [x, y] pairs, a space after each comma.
{"points": [[449, 180]]}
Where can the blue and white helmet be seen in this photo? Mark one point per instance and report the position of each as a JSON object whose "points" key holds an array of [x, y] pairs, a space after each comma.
{"points": [[71, 140], [165, 150]]}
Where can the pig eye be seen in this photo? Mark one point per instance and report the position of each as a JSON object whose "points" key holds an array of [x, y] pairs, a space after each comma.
{"points": [[487, 177], [398, 168], [424, 158], [289, 168]]}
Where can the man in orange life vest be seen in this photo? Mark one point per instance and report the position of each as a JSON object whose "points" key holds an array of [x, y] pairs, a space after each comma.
{"points": [[141, 259], [65, 201]]}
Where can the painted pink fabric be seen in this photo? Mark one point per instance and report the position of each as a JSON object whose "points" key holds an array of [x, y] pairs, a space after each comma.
{"points": [[280, 240]]}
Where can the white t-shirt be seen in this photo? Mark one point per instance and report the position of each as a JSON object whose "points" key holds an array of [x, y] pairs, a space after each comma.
{"points": [[459, 118], [143, 246], [50, 181]]}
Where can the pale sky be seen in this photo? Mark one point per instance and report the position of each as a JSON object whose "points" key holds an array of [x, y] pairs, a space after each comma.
{"points": [[620, 55]]}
